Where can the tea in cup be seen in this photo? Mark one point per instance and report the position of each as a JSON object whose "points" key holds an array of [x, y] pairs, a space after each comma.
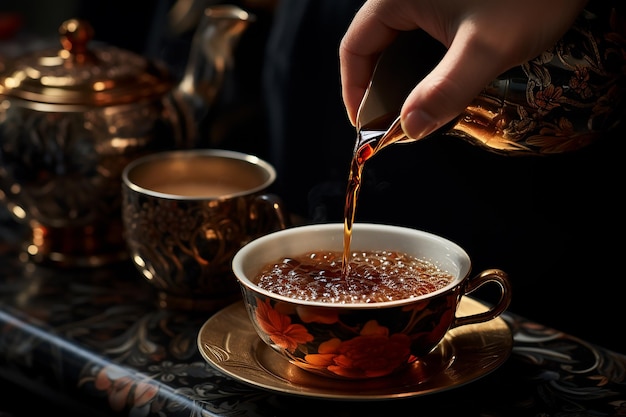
{"points": [[398, 300], [185, 215]]}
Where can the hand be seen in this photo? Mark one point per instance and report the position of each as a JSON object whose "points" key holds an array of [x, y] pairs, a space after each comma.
{"points": [[484, 38]]}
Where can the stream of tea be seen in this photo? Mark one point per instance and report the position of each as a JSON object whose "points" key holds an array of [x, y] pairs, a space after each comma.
{"points": [[369, 141]]}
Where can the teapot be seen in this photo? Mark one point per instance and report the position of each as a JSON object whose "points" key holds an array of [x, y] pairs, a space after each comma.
{"points": [[561, 101], [72, 118]]}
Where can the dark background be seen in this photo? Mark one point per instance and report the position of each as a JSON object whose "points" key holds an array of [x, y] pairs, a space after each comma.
{"points": [[553, 223]]}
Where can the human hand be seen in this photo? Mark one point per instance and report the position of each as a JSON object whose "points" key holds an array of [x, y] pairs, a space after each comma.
{"points": [[484, 38]]}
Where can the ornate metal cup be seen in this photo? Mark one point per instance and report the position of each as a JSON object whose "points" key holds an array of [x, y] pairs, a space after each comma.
{"points": [[185, 215]]}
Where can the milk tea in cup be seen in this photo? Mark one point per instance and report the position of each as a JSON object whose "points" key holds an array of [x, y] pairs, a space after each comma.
{"points": [[185, 215]]}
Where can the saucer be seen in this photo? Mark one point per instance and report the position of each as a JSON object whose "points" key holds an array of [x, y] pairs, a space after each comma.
{"points": [[229, 343]]}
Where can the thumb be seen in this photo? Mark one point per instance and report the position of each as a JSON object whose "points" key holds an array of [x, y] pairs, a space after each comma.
{"points": [[449, 88]]}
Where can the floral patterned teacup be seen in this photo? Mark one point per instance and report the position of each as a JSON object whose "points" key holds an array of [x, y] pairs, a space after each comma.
{"points": [[186, 213], [360, 340]]}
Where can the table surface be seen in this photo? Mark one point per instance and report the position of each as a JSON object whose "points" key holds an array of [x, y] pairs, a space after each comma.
{"points": [[94, 338]]}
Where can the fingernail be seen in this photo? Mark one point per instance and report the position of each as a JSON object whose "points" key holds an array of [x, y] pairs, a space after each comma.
{"points": [[418, 124]]}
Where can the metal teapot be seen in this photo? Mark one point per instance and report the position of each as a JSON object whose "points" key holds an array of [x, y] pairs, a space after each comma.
{"points": [[72, 118], [561, 101]]}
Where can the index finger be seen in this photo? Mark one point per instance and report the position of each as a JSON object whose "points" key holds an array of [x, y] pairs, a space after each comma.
{"points": [[366, 38]]}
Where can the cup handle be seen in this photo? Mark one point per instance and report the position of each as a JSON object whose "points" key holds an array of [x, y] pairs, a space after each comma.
{"points": [[488, 276], [268, 213]]}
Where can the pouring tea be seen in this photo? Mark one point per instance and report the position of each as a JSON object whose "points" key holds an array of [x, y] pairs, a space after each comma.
{"points": [[546, 106]]}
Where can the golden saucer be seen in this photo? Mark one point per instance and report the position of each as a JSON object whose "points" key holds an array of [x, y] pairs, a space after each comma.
{"points": [[229, 343]]}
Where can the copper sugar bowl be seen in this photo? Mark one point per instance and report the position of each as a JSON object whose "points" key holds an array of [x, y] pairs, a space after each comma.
{"points": [[70, 120]]}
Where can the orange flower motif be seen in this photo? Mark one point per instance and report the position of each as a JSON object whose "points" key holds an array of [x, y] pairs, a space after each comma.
{"points": [[371, 354], [285, 308], [279, 327], [326, 354], [560, 138], [145, 394], [548, 98], [317, 315], [580, 82], [119, 386]]}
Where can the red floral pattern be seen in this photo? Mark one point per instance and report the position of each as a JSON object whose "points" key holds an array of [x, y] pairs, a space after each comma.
{"points": [[125, 391], [279, 327], [325, 342], [371, 354]]}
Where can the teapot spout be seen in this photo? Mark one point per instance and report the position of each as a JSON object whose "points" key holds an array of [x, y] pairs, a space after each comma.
{"points": [[210, 58]]}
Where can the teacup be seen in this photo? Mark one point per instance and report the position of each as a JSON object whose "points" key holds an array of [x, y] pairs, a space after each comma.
{"points": [[358, 340], [185, 215]]}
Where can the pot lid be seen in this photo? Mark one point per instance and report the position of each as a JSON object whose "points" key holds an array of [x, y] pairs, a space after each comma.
{"points": [[79, 75]]}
